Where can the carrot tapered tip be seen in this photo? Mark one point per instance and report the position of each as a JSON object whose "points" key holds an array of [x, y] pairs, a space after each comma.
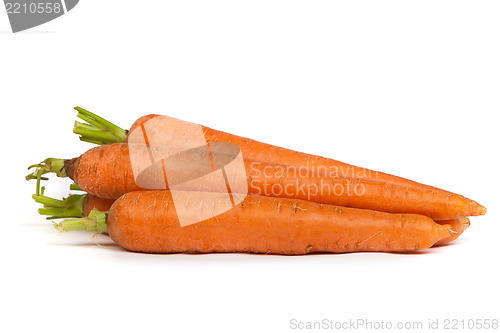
{"points": [[477, 209], [442, 232]]}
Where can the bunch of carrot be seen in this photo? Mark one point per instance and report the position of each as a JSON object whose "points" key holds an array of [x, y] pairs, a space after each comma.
{"points": [[287, 202]]}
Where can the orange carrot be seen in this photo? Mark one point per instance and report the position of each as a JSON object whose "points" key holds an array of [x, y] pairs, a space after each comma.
{"points": [[106, 171], [323, 166], [458, 226], [92, 202], [250, 149], [148, 221]]}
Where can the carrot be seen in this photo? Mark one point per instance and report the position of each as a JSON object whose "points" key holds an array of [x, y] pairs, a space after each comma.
{"points": [[148, 221], [106, 171], [91, 202], [101, 131], [458, 226]]}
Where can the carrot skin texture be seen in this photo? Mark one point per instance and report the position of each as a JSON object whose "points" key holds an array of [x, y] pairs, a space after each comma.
{"points": [[457, 225], [358, 193], [106, 171], [146, 221], [259, 151]]}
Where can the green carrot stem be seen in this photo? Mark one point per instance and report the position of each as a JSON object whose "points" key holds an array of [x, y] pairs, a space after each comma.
{"points": [[91, 122], [101, 120], [75, 187], [97, 142], [98, 130], [84, 126], [93, 133], [54, 165], [96, 221], [50, 165], [60, 212], [48, 202], [72, 206], [31, 176]]}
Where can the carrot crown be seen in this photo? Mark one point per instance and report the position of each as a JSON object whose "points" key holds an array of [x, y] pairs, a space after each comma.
{"points": [[96, 129]]}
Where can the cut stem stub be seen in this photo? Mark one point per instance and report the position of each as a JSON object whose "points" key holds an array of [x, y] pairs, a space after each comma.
{"points": [[96, 129], [96, 221], [50, 165], [72, 206]]}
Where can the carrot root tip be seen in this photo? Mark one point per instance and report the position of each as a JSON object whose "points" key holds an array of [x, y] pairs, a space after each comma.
{"points": [[477, 209]]}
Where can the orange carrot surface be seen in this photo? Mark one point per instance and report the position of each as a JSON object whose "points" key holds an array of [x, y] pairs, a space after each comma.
{"points": [[106, 171], [148, 221]]}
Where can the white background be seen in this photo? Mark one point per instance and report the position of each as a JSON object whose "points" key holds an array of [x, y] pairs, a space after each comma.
{"points": [[406, 87]]}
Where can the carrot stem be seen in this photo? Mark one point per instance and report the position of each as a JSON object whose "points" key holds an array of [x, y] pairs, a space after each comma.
{"points": [[57, 213], [54, 165], [97, 129], [72, 206], [87, 131], [91, 122], [75, 187], [50, 165], [96, 221], [96, 142], [105, 123], [48, 202]]}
